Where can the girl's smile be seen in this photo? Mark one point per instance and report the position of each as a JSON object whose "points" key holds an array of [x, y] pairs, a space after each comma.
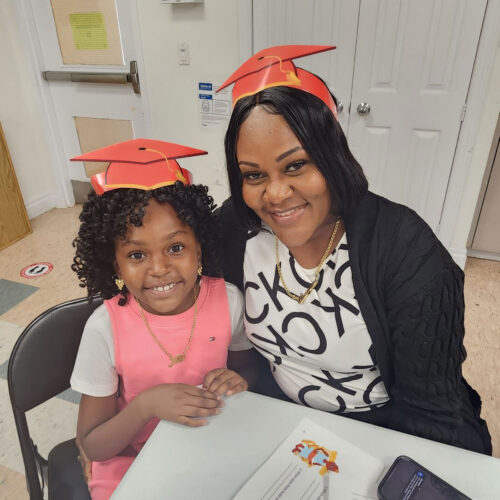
{"points": [[158, 260]]}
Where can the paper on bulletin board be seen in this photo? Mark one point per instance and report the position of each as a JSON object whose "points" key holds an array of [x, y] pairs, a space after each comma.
{"points": [[89, 30], [314, 463], [214, 108]]}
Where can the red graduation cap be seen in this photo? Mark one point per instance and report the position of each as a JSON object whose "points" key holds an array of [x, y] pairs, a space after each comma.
{"points": [[139, 163], [273, 67]]}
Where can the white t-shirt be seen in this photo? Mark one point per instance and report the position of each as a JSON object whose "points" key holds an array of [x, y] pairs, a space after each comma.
{"points": [[320, 352], [94, 372]]}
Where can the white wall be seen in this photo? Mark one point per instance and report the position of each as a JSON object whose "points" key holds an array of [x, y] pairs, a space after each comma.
{"points": [[211, 30], [21, 116], [489, 117]]}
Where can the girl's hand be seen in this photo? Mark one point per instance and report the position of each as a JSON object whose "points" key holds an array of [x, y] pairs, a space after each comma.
{"points": [[223, 381], [180, 403]]}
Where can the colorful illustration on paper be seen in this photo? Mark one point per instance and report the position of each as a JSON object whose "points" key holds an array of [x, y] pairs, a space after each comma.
{"points": [[313, 454]]}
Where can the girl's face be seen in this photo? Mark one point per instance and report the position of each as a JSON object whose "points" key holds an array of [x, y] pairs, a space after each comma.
{"points": [[158, 261], [281, 184]]}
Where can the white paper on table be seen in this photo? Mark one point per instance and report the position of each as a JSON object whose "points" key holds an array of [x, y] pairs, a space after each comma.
{"points": [[288, 475]]}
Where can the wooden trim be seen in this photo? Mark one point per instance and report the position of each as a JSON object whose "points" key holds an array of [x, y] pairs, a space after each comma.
{"points": [[14, 210]]}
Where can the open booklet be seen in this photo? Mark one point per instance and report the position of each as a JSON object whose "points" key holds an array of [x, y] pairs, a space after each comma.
{"points": [[314, 463]]}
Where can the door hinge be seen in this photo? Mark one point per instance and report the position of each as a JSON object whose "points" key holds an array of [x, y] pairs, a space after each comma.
{"points": [[462, 115]]}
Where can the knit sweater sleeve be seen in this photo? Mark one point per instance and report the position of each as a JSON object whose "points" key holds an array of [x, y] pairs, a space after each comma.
{"points": [[424, 304]]}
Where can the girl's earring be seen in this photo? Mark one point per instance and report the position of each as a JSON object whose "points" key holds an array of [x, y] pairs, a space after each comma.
{"points": [[200, 270], [119, 283]]}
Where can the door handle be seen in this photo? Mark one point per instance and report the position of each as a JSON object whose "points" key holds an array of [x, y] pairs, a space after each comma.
{"points": [[116, 78], [363, 108]]}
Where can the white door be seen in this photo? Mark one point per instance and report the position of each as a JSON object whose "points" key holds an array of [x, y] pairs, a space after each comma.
{"points": [[411, 65], [313, 22], [95, 36]]}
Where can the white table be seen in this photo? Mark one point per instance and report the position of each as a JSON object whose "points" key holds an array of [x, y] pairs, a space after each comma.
{"points": [[213, 462]]}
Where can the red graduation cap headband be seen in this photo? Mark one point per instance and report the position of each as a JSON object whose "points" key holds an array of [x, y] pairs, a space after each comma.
{"points": [[139, 164], [273, 67]]}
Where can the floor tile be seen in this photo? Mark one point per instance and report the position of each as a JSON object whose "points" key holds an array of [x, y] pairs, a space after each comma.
{"points": [[12, 293], [482, 268], [51, 241], [9, 333], [12, 485], [482, 308]]}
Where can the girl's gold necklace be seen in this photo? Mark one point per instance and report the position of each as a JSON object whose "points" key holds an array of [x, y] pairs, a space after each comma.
{"points": [[178, 358], [302, 297]]}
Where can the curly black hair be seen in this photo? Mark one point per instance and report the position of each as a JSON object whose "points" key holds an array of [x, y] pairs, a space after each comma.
{"points": [[105, 218]]}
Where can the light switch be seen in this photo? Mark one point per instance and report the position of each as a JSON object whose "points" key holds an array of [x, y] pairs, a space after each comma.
{"points": [[183, 54]]}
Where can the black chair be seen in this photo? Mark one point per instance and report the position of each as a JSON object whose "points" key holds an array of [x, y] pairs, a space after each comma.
{"points": [[40, 367]]}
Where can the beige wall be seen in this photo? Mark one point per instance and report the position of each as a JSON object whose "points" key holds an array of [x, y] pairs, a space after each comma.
{"points": [[487, 125], [211, 31], [21, 116]]}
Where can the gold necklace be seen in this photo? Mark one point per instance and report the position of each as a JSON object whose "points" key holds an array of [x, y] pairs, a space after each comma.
{"points": [[302, 297], [179, 357]]}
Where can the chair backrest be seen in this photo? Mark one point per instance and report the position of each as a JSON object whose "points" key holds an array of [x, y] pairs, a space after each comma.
{"points": [[40, 367]]}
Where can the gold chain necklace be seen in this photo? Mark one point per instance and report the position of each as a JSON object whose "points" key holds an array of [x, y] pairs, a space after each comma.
{"points": [[302, 297], [179, 357]]}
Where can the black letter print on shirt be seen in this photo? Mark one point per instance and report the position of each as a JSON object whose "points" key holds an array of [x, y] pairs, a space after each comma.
{"points": [[319, 332], [280, 343], [338, 304], [265, 310], [273, 291], [336, 383], [309, 388]]}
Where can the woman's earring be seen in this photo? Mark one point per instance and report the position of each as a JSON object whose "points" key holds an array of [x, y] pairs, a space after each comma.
{"points": [[119, 283], [200, 270]]}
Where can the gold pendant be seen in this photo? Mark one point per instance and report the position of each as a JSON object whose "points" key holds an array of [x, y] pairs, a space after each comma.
{"points": [[177, 359]]}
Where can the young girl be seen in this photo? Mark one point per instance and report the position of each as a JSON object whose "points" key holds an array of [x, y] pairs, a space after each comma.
{"points": [[164, 328]]}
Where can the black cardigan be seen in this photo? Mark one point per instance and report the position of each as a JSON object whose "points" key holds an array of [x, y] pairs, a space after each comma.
{"points": [[410, 292]]}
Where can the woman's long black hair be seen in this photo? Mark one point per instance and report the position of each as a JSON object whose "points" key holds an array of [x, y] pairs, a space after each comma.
{"points": [[105, 218], [320, 135]]}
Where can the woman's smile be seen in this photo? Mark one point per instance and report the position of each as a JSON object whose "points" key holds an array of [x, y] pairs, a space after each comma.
{"points": [[289, 215]]}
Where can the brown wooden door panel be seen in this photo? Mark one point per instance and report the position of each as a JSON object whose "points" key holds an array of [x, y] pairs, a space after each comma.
{"points": [[14, 222]]}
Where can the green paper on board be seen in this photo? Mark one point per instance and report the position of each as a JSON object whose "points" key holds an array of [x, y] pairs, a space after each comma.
{"points": [[89, 30]]}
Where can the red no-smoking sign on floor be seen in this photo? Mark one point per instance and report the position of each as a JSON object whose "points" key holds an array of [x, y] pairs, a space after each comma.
{"points": [[36, 270]]}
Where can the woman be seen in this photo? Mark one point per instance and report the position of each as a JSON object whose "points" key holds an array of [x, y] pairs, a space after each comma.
{"points": [[351, 298]]}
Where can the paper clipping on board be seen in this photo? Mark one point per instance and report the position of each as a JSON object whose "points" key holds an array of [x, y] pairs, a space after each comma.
{"points": [[312, 464]]}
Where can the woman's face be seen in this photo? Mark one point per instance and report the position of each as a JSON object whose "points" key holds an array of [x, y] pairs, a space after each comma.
{"points": [[281, 184]]}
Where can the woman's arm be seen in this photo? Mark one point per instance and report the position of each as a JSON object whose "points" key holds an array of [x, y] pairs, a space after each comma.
{"points": [[424, 304]]}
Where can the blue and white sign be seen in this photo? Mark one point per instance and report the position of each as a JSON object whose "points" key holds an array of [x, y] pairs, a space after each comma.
{"points": [[215, 108]]}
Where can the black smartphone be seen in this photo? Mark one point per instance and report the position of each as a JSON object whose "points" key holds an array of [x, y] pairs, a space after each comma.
{"points": [[408, 480]]}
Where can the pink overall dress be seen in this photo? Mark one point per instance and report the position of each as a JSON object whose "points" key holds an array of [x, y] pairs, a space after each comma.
{"points": [[141, 364]]}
